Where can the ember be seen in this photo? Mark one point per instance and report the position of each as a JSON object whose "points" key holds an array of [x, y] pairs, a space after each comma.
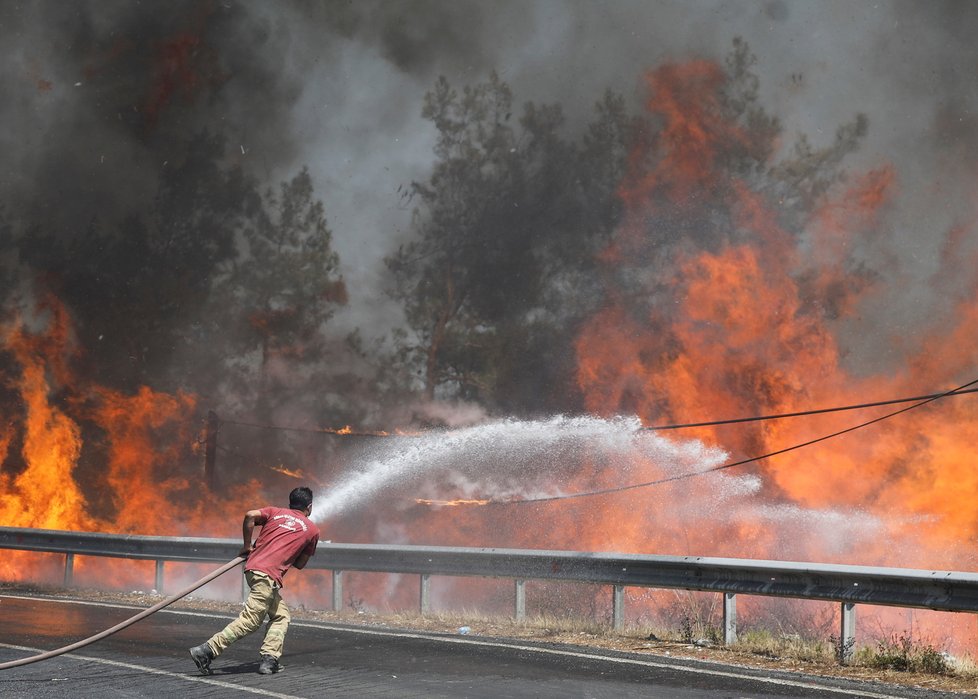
{"points": [[451, 503]]}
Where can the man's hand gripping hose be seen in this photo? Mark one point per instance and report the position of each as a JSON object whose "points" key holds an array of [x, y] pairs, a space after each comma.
{"points": [[128, 622]]}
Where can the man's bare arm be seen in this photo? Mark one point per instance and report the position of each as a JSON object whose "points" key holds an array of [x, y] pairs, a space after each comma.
{"points": [[251, 518]]}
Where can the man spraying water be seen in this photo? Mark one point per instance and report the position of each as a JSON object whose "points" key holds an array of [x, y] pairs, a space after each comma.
{"points": [[287, 540]]}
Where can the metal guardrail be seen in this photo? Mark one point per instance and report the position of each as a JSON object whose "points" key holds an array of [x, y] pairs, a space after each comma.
{"points": [[844, 584]]}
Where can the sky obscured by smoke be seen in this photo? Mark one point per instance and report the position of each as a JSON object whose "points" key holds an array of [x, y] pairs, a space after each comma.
{"points": [[97, 95]]}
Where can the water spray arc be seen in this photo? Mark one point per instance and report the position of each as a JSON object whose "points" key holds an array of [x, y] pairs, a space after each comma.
{"points": [[723, 467], [348, 431], [509, 458], [436, 441]]}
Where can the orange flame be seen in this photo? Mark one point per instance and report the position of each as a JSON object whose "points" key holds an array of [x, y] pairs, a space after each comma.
{"points": [[132, 479], [451, 503], [288, 472], [348, 431], [753, 328], [758, 321], [298, 474]]}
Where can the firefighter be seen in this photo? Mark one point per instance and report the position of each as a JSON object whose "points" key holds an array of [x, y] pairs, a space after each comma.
{"points": [[287, 540]]}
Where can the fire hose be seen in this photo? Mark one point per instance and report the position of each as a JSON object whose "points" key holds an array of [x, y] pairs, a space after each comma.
{"points": [[128, 622]]}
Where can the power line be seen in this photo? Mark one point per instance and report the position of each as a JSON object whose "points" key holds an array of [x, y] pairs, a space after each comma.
{"points": [[723, 467], [350, 432], [817, 411], [918, 401]]}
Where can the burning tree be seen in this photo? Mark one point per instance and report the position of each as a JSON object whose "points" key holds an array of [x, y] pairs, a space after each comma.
{"points": [[271, 304], [243, 283], [717, 278], [709, 210], [135, 285], [498, 271], [521, 235]]}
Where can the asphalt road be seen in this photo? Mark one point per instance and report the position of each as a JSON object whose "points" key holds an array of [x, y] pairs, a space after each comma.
{"points": [[150, 659]]}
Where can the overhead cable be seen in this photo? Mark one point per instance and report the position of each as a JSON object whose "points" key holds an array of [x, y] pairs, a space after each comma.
{"points": [[742, 462], [817, 411], [350, 432]]}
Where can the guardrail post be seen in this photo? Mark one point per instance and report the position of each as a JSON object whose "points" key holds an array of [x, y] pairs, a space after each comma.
{"points": [[69, 569], [158, 584], [425, 593], [337, 590], [847, 637], [520, 600], [618, 607], [729, 618]]}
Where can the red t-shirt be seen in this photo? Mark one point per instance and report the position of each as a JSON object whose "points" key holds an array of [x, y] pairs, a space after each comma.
{"points": [[284, 535]]}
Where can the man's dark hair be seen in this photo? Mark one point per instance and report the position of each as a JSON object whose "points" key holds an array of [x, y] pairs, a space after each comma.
{"points": [[300, 498]]}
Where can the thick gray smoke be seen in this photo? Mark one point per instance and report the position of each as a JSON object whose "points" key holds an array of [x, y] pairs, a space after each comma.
{"points": [[99, 97]]}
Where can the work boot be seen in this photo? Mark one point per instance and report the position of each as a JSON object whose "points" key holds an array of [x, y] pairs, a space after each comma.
{"points": [[269, 664], [202, 655]]}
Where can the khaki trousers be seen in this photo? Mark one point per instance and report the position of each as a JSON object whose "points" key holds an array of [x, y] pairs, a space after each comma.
{"points": [[264, 598]]}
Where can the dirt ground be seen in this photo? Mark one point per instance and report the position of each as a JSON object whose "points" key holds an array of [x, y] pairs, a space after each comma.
{"points": [[533, 631]]}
